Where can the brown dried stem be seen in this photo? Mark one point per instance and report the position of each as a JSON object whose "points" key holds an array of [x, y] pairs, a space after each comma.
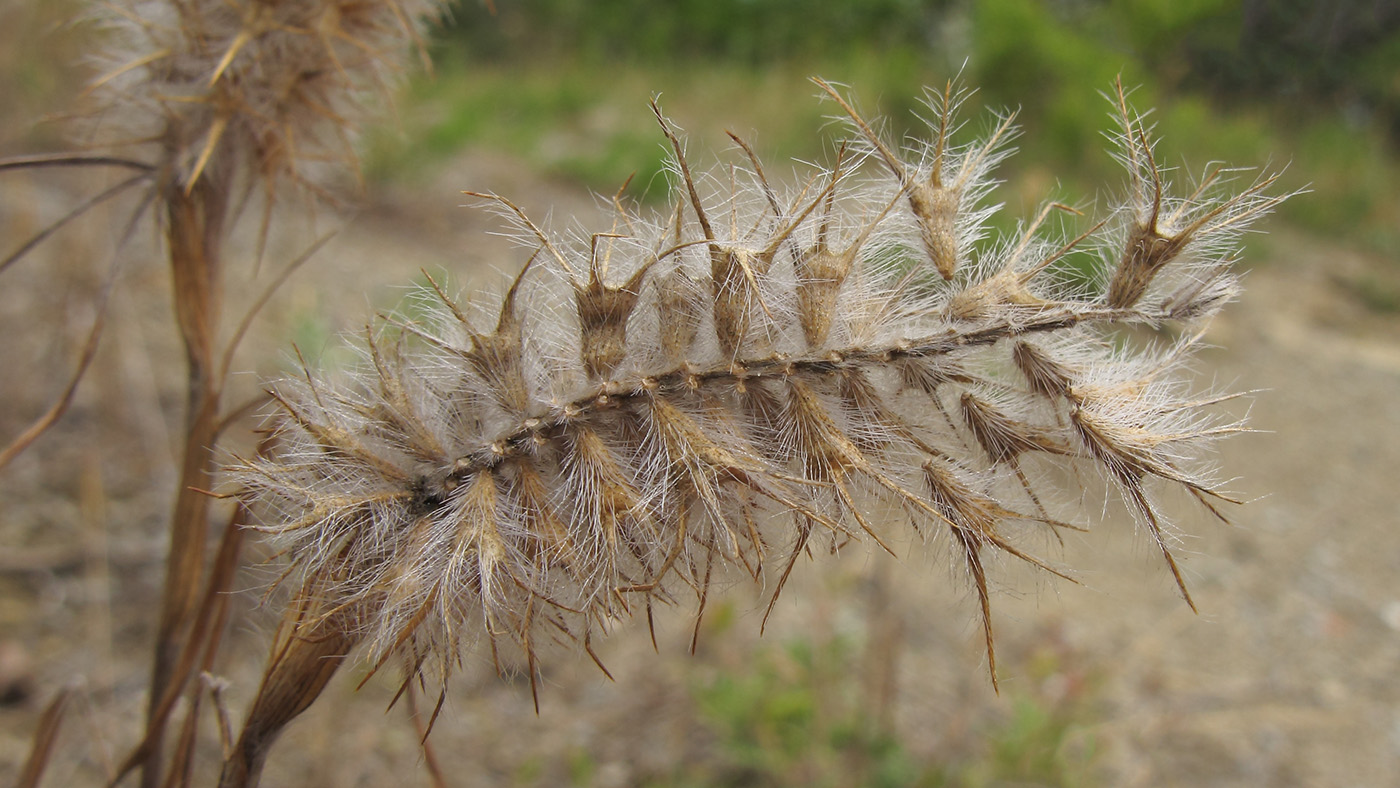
{"points": [[310, 648]]}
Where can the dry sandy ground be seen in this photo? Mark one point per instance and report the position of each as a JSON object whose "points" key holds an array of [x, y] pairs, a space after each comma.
{"points": [[1287, 677]]}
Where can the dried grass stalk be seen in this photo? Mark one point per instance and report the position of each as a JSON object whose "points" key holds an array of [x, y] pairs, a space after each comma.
{"points": [[210, 102], [227, 97]]}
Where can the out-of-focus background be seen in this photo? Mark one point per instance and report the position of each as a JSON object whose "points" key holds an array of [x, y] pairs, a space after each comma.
{"points": [[871, 672]]}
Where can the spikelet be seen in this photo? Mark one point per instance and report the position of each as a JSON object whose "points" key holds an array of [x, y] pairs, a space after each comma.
{"points": [[754, 372]]}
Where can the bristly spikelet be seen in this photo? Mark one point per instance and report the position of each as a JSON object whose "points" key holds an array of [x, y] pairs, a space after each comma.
{"points": [[756, 369], [1190, 234], [943, 183]]}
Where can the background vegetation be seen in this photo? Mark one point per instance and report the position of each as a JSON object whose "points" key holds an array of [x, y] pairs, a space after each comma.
{"points": [[1312, 85]]}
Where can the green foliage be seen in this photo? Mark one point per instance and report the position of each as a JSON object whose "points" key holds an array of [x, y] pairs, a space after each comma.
{"points": [[557, 120], [731, 31], [1038, 745], [581, 768], [1164, 33], [1053, 69]]}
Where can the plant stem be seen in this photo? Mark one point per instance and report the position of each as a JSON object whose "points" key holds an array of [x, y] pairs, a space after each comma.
{"points": [[195, 235]]}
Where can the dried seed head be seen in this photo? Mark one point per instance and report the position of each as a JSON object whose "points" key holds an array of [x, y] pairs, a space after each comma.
{"points": [[734, 275], [940, 181], [274, 88], [736, 392], [1004, 438], [822, 271], [1147, 251], [497, 358]]}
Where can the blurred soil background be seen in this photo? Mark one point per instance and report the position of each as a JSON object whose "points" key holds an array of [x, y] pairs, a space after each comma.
{"points": [[872, 671]]}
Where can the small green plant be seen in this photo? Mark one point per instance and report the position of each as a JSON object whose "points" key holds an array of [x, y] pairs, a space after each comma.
{"points": [[1031, 747], [790, 719], [787, 718]]}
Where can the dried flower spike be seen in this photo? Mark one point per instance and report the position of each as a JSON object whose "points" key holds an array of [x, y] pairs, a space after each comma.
{"points": [[755, 370], [265, 90]]}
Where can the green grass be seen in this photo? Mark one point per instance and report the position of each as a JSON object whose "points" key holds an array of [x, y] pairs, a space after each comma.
{"points": [[589, 123]]}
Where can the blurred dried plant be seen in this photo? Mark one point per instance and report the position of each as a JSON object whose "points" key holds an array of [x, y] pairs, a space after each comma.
{"points": [[207, 103], [756, 372]]}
